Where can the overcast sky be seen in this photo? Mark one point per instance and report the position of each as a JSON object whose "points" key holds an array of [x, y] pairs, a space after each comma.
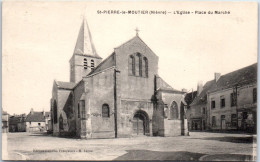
{"points": [[39, 39]]}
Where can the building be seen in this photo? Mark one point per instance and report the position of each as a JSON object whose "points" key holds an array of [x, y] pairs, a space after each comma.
{"points": [[198, 108], [228, 102], [47, 117], [5, 124], [189, 97], [35, 121], [233, 101], [121, 96], [17, 123]]}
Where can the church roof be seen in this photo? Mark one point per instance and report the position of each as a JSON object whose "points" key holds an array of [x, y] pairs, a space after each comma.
{"points": [[163, 86], [244, 76], [85, 45], [65, 85], [110, 60], [107, 63]]}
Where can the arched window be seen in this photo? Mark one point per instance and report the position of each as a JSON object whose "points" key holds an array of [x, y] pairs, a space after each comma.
{"points": [[105, 110], [140, 67], [78, 111], [85, 63], [83, 109], [60, 122], [174, 110], [92, 64], [55, 112], [131, 66], [145, 67]]}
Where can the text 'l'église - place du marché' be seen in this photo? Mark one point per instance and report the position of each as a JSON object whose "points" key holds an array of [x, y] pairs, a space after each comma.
{"points": [[164, 12]]}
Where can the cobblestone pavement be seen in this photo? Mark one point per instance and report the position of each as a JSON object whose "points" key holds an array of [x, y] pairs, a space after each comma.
{"points": [[199, 146]]}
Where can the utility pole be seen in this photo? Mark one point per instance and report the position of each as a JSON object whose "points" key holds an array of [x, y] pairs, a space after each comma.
{"points": [[236, 102], [115, 98]]}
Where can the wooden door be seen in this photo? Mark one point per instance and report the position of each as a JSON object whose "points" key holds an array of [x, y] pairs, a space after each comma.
{"points": [[138, 126], [223, 124]]}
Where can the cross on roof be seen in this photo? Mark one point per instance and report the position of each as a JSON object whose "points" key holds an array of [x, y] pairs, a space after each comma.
{"points": [[137, 30]]}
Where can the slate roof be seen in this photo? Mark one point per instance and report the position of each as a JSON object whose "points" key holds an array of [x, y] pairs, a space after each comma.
{"points": [[84, 44], [16, 119], [202, 98], [65, 85], [13, 120], [35, 117], [47, 114], [244, 76], [190, 97], [161, 85], [108, 62]]}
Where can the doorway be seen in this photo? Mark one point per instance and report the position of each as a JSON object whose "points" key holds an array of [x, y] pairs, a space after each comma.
{"points": [[140, 123], [223, 122]]}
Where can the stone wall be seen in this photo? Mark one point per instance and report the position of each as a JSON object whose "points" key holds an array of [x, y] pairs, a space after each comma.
{"points": [[34, 127], [99, 91], [77, 67], [245, 97], [172, 127], [78, 91], [134, 92], [166, 125], [135, 87], [64, 102], [127, 110]]}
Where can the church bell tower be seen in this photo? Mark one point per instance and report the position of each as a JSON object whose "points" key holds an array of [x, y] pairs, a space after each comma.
{"points": [[85, 57]]}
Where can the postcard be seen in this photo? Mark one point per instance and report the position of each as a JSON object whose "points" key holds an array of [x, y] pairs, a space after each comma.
{"points": [[109, 80]]}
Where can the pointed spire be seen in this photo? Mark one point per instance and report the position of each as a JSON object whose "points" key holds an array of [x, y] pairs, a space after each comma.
{"points": [[84, 43]]}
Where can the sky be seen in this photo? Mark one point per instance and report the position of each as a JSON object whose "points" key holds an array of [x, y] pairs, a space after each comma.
{"points": [[39, 39]]}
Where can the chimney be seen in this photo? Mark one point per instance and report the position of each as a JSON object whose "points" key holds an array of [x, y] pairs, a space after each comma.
{"points": [[31, 111], [184, 90], [217, 76], [199, 87]]}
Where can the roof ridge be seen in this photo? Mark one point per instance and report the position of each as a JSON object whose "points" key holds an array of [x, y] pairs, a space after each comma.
{"points": [[100, 64], [201, 95], [125, 42], [243, 68]]}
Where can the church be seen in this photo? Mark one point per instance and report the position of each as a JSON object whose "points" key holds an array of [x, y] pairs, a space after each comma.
{"points": [[120, 96]]}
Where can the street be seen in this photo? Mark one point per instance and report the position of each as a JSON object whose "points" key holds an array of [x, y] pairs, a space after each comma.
{"points": [[199, 146]]}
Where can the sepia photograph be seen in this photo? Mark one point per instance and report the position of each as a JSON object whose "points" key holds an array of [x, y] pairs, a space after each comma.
{"points": [[110, 80]]}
